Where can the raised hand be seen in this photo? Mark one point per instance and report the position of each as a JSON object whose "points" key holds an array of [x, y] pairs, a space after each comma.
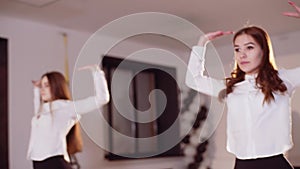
{"points": [[92, 67], [293, 14], [211, 36], [36, 83]]}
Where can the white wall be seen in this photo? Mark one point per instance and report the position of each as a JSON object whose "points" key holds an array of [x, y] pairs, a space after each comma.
{"points": [[36, 48]]}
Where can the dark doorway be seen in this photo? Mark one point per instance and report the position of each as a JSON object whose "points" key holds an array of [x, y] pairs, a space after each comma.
{"points": [[3, 104]]}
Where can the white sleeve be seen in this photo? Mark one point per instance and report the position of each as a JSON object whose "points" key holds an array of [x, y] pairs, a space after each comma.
{"points": [[36, 99], [292, 76], [195, 77], [101, 95]]}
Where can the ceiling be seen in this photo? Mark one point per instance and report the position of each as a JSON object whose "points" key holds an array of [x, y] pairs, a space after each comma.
{"points": [[208, 15]]}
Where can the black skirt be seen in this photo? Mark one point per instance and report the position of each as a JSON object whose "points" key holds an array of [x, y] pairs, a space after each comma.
{"points": [[55, 162], [274, 162]]}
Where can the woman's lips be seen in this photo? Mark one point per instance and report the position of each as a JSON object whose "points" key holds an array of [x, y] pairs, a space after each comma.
{"points": [[244, 62]]}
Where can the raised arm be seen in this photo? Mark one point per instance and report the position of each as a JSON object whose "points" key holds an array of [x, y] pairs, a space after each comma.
{"points": [[295, 14], [195, 77], [36, 96], [292, 75], [101, 92]]}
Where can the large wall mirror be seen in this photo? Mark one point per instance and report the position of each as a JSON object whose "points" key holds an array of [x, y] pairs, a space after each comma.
{"points": [[138, 94]]}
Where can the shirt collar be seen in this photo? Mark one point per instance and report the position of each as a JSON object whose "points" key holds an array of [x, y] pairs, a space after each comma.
{"points": [[250, 77]]}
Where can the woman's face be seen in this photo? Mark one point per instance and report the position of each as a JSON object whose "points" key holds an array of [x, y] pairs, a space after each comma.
{"points": [[45, 89], [248, 54]]}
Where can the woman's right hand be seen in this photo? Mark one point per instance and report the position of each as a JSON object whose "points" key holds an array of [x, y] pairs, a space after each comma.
{"points": [[204, 39], [36, 83]]}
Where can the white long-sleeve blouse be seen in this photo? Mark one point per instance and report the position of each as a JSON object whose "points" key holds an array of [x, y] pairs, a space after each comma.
{"points": [[49, 129], [254, 129]]}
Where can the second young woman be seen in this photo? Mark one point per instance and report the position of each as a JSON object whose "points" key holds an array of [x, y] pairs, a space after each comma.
{"points": [[55, 115]]}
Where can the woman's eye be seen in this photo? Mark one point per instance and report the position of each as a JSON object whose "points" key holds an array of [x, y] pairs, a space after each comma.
{"points": [[250, 47], [236, 49], [45, 86]]}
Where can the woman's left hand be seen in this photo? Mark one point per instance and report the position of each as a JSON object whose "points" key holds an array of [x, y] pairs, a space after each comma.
{"points": [[293, 14]]}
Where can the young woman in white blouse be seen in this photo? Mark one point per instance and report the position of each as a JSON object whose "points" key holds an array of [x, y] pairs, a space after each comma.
{"points": [[257, 96], [55, 115]]}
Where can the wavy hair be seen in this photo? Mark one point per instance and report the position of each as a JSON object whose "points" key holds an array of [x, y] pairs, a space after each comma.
{"points": [[267, 78], [58, 86]]}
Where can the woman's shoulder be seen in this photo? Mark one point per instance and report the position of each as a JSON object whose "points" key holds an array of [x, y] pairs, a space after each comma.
{"points": [[290, 76], [61, 103], [283, 72]]}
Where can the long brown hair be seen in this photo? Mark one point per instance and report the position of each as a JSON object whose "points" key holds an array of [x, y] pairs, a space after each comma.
{"points": [[58, 86], [267, 79]]}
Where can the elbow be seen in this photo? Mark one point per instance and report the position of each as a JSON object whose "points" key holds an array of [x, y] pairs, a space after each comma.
{"points": [[102, 100], [190, 82], [187, 81], [106, 99]]}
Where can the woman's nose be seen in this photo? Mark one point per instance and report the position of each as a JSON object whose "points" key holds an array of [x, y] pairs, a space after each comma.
{"points": [[42, 89], [242, 54]]}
